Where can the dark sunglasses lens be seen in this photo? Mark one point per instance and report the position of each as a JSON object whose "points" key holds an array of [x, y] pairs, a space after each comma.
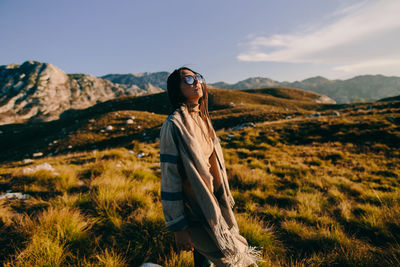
{"points": [[199, 78], [189, 79]]}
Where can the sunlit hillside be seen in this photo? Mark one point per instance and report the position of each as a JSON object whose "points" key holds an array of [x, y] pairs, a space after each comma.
{"points": [[116, 122], [292, 93], [314, 184]]}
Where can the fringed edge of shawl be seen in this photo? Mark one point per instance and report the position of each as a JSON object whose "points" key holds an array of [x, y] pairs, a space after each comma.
{"points": [[224, 238], [232, 255], [252, 254]]}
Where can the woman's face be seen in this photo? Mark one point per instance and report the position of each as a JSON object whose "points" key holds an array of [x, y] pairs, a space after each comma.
{"points": [[192, 92]]}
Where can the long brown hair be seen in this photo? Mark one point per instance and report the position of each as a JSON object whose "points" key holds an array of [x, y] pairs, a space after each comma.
{"points": [[177, 99]]}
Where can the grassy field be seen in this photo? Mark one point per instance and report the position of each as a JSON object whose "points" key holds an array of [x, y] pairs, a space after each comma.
{"points": [[310, 190]]}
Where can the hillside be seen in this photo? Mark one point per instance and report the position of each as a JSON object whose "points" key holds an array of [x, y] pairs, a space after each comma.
{"points": [[311, 190], [294, 94], [394, 98], [115, 123], [86, 129]]}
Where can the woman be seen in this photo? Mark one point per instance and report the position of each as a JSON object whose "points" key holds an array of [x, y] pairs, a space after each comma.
{"points": [[195, 195]]}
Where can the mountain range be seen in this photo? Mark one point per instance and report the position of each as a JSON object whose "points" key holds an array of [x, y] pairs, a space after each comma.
{"points": [[35, 91], [364, 88]]}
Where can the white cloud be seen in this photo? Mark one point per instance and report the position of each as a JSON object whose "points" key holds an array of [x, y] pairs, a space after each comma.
{"points": [[363, 36], [369, 65]]}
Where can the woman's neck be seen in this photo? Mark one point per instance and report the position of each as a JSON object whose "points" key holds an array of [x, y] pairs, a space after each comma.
{"points": [[193, 106]]}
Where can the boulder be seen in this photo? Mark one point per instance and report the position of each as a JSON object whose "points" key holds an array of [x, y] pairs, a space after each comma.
{"points": [[17, 195], [26, 161], [37, 154], [243, 125], [140, 155], [33, 169]]}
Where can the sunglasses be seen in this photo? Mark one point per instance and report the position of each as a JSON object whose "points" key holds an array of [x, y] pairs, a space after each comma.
{"points": [[189, 79]]}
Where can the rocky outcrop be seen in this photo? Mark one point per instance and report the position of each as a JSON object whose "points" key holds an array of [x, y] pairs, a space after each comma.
{"points": [[40, 91]]}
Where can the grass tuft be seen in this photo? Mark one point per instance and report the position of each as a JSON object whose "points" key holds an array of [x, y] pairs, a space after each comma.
{"points": [[182, 259], [110, 258], [42, 250]]}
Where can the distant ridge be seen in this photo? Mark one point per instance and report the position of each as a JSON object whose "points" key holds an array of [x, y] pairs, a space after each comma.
{"points": [[250, 83], [150, 82], [364, 88]]}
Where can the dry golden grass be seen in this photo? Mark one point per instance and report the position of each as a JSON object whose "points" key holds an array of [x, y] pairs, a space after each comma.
{"points": [[182, 259], [41, 251], [312, 192], [110, 258]]}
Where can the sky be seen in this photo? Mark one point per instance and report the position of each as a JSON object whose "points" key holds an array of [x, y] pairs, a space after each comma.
{"points": [[225, 40]]}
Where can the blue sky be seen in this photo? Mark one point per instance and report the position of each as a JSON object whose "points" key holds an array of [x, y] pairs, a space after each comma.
{"points": [[225, 40]]}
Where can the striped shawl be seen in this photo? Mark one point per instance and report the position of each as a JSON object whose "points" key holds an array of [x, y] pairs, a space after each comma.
{"points": [[180, 155]]}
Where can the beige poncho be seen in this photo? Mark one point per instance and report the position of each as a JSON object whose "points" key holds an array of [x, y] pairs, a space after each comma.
{"points": [[182, 158]]}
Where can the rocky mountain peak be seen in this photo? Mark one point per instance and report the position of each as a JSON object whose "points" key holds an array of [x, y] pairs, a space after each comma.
{"points": [[41, 91]]}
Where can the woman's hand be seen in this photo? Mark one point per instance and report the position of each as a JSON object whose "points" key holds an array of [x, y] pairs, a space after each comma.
{"points": [[183, 240]]}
